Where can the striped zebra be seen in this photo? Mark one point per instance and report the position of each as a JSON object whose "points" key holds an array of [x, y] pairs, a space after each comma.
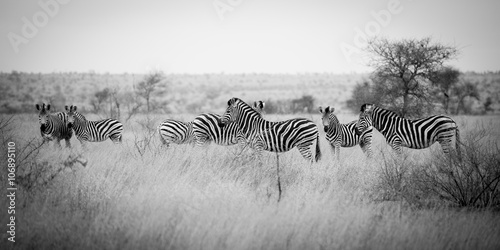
{"points": [[273, 136], [207, 128], [400, 132], [173, 131], [344, 135], [53, 126], [93, 131]]}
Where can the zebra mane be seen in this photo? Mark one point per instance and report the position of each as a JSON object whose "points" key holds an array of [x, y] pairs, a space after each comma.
{"points": [[389, 112], [243, 105], [372, 107]]}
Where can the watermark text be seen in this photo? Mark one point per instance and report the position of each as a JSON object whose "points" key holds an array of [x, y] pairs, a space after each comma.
{"points": [[11, 191]]}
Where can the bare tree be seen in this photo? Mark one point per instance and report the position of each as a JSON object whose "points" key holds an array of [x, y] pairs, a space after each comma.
{"points": [[445, 80], [465, 89], [405, 67], [151, 83]]}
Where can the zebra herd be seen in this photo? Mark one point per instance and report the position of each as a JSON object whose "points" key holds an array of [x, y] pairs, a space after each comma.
{"points": [[244, 124]]}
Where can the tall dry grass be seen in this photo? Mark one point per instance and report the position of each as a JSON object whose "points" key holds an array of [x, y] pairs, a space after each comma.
{"points": [[216, 198]]}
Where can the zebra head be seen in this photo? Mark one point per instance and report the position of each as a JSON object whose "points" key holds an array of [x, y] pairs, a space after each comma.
{"points": [[231, 113], [328, 118], [70, 111], [43, 114], [259, 106], [236, 107], [365, 119]]}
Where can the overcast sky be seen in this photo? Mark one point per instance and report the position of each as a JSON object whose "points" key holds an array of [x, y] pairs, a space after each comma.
{"points": [[234, 36]]}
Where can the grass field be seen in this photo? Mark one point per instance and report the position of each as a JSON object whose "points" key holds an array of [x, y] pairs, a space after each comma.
{"points": [[138, 195]]}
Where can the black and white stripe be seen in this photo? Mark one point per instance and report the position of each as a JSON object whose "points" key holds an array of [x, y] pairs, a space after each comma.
{"points": [[207, 128], [93, 131], [273, 136], [53, 126], [417, 134], [344, 135], [178, 132]]}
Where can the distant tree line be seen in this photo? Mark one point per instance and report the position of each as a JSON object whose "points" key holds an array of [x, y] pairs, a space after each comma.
{"points": [[304, 104]]}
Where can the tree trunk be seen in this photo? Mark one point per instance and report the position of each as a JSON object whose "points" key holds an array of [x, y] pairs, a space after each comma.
{"points": [[446, 103], [405, 104]]}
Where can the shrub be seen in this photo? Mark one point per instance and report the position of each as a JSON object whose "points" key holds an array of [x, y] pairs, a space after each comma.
{"points": [[472, 180]]}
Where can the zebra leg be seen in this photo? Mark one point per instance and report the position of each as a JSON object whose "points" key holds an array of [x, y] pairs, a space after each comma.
{"points": [[333, 150], [305, 151], [201, 139], [82, 142], [445, 143], [116, 138], [396, 146], [367, 149], [57, 143], [337, 152]]}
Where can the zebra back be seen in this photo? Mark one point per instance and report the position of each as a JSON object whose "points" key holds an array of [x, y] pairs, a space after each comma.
{"points": [[174, 131]]}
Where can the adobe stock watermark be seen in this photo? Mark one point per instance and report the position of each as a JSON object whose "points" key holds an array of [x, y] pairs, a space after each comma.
{"points": [[11, 191], [380, 19], [31, 26], [224, 6]]}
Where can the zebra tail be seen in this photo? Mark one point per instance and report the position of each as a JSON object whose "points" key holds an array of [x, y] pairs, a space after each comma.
{"points": [[458, 143], [318, 150]]}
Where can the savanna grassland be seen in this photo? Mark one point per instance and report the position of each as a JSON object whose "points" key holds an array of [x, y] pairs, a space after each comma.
{"points": [[140, 195]]}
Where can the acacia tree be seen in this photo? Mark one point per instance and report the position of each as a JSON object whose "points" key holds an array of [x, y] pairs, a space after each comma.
{"points": [[404, 68]]}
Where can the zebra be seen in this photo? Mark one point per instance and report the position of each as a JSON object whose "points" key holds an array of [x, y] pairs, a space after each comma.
{"points": [[93, 131], [400, 132], [53, 126], [344, 135], [174, 131], [207, 128], [272, 136]]}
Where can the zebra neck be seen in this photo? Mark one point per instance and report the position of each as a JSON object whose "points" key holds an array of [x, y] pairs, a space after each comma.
{"points": [[248, 125], [80, 123], [383, 120]]}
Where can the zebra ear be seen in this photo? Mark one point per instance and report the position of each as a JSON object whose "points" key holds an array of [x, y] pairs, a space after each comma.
{"points": [[37, 106], [262, 104], [66, 108], [255, 105], [48, 106], [327, 109], [363, 107], [74, 108]]}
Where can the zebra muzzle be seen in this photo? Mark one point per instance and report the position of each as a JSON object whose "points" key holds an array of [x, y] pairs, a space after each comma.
{"points": [[325, 128], [357, 131]]}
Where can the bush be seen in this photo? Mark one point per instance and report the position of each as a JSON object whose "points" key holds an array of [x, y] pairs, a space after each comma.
{"points": [[472, 180]]}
